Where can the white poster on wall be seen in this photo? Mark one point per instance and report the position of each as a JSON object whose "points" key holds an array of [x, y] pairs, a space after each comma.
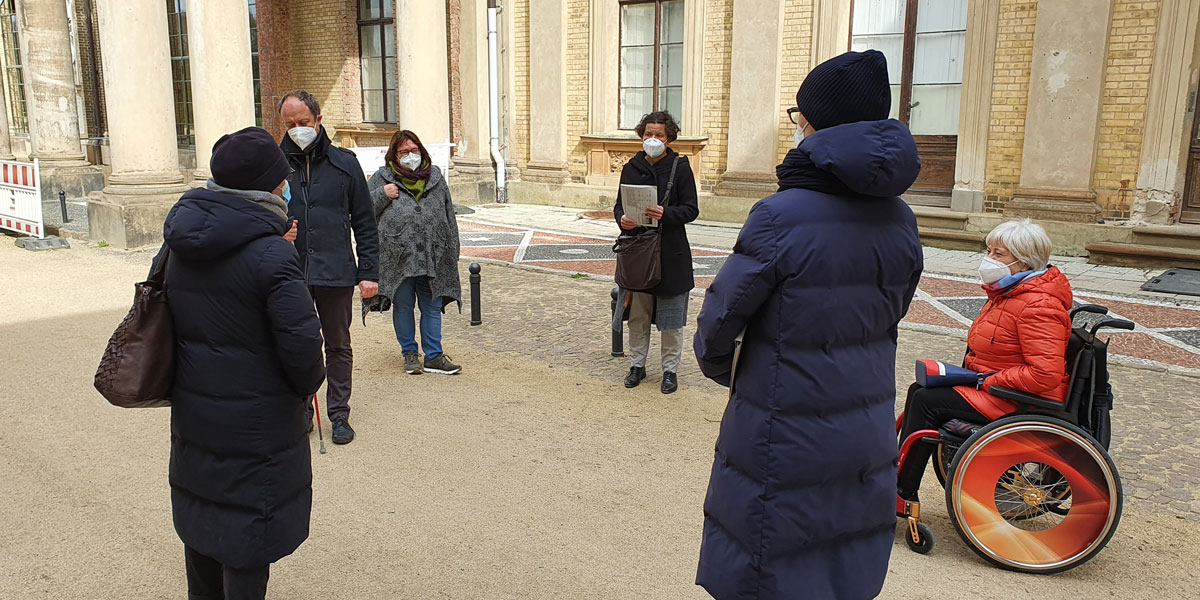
{"points": [[371, 158]]}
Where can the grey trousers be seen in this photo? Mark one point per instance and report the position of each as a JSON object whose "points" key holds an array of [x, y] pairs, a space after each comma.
{"points": [[641, 312]]}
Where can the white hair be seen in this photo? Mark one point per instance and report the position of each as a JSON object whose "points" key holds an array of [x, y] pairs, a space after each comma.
{"points": [[1026, 240]]}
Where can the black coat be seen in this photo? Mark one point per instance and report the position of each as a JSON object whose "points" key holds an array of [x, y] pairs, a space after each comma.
{"points": [[801, 500], [330, 199], [681, 209], [249, 360]]}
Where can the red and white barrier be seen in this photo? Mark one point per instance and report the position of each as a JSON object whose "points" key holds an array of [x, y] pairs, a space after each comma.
{"points": [[21, 198]]}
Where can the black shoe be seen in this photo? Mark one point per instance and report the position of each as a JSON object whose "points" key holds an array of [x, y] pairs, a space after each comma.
{"points": [[636, 375], [342, 433], [670, 383]]}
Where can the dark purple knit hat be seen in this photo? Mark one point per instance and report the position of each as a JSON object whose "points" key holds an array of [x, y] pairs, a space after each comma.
{"points": [[249, 159], [848, 88]]}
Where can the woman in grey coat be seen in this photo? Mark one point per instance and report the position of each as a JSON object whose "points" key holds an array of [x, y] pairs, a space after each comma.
{"points": [[418, 253]]}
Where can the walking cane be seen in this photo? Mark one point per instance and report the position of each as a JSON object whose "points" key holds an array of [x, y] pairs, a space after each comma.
{"points": [[317, 411]]}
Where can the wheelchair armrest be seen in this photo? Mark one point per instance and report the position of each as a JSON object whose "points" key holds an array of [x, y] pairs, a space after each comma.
{"points": [[1024, 398]]}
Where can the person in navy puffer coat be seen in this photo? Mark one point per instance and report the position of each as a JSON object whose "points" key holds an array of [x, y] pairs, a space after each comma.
{"points": [[249, 360], [801, 500]]}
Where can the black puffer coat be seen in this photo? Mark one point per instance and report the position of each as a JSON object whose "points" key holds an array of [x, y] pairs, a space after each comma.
{"points": [[682, 208], [249, 360], [330, 199]]}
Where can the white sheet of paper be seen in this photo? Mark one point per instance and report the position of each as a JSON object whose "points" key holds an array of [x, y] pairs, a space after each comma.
{"points": [[635, 199]]}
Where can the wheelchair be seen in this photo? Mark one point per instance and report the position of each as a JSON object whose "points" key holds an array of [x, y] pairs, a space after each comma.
{"points": [[1035, 491]]}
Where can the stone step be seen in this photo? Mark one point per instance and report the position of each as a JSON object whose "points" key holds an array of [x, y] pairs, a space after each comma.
{"points": [[1170, 236], [940, 218], [952, 239], [1142, 255]]}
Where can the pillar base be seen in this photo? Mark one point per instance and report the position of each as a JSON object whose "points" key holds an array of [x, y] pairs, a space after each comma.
{"points": [[747, 184], [555, 173], [131, 216], [76, 180], [466, 168], [1072, 206], [967, 200]]}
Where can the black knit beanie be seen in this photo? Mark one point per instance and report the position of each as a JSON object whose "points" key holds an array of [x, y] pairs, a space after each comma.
{"points": [[248, 160], [849, 88]]}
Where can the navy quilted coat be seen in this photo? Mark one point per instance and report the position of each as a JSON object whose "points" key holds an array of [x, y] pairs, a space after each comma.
{"points": [[249, 359], [801, 501]]}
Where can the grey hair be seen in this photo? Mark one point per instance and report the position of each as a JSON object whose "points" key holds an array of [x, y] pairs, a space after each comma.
{"points": [[308, 99], [1026, 240]]}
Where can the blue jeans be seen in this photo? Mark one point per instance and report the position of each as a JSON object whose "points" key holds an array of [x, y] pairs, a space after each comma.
{"points": [[413, 292]]}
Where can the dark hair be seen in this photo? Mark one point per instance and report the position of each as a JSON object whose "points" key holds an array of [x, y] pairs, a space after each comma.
{"points": [[659, 117], [308, 99], [398, 138]]}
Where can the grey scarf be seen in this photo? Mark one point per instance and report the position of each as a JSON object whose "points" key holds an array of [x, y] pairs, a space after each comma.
{"points": [[267, 200]]}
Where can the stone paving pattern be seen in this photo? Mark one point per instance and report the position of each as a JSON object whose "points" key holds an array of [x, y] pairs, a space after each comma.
{"points": [[1167, 336], [564, 322]]}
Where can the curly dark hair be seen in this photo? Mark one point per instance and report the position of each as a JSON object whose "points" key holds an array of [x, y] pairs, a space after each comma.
{"points": [[660, 117]]}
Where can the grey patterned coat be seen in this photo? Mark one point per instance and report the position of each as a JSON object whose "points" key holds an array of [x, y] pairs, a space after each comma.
{"points": [[417, 237]]}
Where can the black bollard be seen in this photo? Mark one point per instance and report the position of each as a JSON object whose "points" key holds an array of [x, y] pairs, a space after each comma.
{"points": [[618, 343], [62, 203], [476, 316]]}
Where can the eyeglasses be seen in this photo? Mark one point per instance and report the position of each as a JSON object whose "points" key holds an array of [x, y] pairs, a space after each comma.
{"points": [[792, 112]]}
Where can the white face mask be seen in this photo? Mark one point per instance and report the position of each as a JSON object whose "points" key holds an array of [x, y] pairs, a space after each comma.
{"points": [[799, 135], [411, 161], [654, 147], [992, 270], [303, 136]]}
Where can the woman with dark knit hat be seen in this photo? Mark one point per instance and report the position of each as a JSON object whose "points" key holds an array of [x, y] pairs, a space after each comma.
{"points": [[249, 359], [801, 500]]}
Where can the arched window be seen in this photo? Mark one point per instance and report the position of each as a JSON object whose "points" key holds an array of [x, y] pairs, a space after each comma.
{"points": [[652, 61]]}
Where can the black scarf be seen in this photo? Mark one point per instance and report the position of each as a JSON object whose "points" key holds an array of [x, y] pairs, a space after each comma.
{"points": [[797, 171]]}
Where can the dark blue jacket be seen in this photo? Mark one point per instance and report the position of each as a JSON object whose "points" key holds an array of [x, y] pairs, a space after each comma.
{"points": [[801, 501], [330, 200], [249, 360]]}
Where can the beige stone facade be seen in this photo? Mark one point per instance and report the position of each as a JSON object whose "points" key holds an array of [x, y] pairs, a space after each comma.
{"points": [[1081, 118]]}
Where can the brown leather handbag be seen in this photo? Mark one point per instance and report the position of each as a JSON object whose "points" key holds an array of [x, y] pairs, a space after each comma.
{"points": [[639, 257], [138, 366]]}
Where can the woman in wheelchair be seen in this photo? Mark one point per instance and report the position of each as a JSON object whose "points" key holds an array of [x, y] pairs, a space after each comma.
{"points": [[1019, 341]]}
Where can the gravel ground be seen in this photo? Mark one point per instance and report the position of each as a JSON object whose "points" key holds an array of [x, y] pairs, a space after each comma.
{"points": [[533, 474]]}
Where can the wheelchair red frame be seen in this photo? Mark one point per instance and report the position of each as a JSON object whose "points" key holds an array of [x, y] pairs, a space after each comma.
{"points": [[1035, 491]]}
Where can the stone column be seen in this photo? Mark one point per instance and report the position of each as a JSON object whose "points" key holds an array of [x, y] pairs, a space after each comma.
{"points": [[547, 92], [424, 84], [53, 107], [145, 179], [1065, 89], [755, 72], [473, 159], [970, 164], [5, 139], [222, 79]]}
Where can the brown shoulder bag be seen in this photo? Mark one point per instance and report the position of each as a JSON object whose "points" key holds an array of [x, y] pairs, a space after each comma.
{"points": [[138, 366]]}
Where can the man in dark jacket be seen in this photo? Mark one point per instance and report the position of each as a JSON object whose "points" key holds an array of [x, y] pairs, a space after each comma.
{"points": [[801, 501], [329, 200], [249, 360]]}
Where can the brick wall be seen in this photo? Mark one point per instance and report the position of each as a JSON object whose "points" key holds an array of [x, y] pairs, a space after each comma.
{"points": [[579, 16], [92, 73], [1010, 97], [274, 60], [519, 95], [718, 43], [797, 55], [1123, 105], [454, 35], [323, 39]]}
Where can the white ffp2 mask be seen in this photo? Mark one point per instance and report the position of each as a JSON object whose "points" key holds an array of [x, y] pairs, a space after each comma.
{"points": [[992, 270], [303, 136], [411, 161], [654, 147]]}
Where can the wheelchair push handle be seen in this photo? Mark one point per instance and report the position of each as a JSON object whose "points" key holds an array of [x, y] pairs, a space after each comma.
{"points": [[1094, 309], [1113, 324]]}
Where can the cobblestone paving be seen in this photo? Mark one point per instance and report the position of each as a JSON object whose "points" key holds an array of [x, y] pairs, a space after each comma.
{"points": [[1167, 336], [565, 322]]}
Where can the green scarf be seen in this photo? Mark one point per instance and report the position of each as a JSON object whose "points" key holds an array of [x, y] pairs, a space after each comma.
{"points": [[416, 186]]}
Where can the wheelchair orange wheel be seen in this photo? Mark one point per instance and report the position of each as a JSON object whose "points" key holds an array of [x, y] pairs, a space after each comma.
{"points": [[941, 461], [1034, 494]]}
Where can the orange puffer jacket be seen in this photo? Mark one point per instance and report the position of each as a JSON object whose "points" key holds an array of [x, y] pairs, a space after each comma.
{"points": [[1022, 335]]}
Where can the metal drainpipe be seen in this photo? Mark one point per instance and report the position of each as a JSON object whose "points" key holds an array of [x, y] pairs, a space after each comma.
{"points": [[494, 101]]}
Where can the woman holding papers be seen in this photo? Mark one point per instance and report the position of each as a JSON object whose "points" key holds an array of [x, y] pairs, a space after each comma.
{"points": [[665, 305]]}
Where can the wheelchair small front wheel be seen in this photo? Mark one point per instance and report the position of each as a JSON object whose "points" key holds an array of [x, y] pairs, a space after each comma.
{"points": [[924, 542], [1034, 494]]}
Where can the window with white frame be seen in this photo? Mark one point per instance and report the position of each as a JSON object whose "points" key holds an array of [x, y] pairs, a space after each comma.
{"points": [[377, 54], [652, 59]]}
